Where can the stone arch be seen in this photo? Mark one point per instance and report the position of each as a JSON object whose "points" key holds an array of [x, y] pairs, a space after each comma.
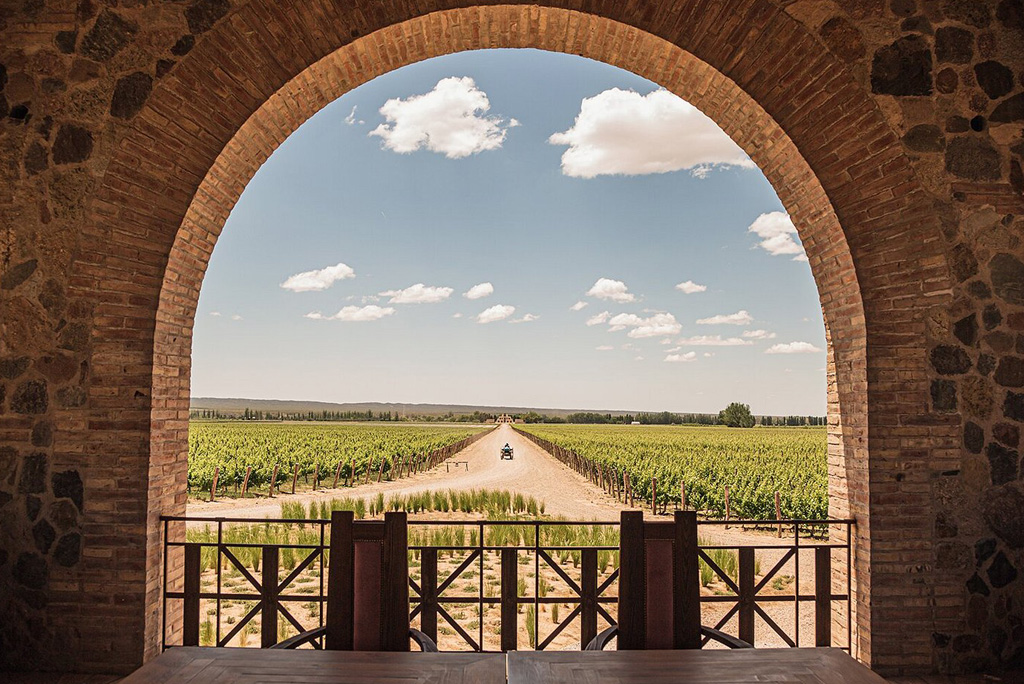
{"points": [[867, 225]]}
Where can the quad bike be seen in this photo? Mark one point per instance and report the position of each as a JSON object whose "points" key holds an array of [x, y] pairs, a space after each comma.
{"points": [[506, 452]]}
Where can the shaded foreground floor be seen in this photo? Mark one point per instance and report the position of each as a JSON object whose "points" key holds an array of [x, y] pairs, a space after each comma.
{"points": [[42, 678]]}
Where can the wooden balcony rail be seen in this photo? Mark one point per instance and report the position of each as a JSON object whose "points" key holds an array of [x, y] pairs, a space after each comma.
{"points": [[488, 566]]}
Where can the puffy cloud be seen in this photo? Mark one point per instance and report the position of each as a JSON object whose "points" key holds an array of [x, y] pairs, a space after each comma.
{"points": [[578, 306], [653, 326], [681, 358], [776, 231], [215, 313], [498, 312], [758, 335], [792, 348], [418, 294], [690, 287], [525, 318], [458, 315], [673, 350], [598, 319], [604, 347], [656, 326], [355, 314], [236, 317], [738, 318], [479, 291], [623, 132], [311, 281], [449, 120], [714, 341], [613, 290], [708, 355]]}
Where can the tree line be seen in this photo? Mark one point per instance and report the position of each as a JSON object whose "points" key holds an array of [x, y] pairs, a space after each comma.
{"points": [[734, 415]]}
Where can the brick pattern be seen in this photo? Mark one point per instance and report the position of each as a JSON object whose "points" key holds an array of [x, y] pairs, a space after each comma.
{"points": [[889, 128]]}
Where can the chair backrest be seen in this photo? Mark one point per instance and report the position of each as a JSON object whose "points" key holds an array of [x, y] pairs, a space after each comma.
{"points": [[368, 584], [659, 583]]}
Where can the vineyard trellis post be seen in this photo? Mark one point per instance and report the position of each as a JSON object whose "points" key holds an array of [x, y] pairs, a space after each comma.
{"points": [[245, 483], [295, 477], [778, 515], [316, 475], [682, 495], [727, 509], [273, 480], [337, 474], [213, 486]]}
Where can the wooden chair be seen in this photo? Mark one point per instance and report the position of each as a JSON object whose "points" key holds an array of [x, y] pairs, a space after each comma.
{"points": [[367, 588], [659, 587]]}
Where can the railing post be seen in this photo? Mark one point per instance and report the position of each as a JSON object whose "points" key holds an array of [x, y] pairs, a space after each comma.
{"points": [[588, 596], [509, 600], [746, 597], [193, 569], [428, 593], [268, 597], [823, 596]]}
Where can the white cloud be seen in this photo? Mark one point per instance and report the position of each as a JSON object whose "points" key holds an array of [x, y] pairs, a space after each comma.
{"points": [[215, 313], [690, 287], [418, 294], [604, 347], [792, 348], [708, 355], [673, 350], [613, 290], [236, 317], [638, 358], [578, 306], [738, 318], [449, 120], [623, 132], [525, 318], [598, 319], [351, 118], [714, 341], [653, 326], [656, 326], [458, 315], [479, 291], [355, 314], [776, 231], [681, 358], [313, 281], [498, 312], [665, 341], [758, 335]]}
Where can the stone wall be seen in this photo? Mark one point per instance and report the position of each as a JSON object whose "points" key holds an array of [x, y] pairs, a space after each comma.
{"points": [[906, 115]]}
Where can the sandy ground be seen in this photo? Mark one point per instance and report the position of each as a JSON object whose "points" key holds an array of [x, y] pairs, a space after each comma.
{"points": [[536, 473]]}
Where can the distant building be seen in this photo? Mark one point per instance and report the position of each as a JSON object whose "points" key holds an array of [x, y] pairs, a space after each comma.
{"points": [[505, 418]]}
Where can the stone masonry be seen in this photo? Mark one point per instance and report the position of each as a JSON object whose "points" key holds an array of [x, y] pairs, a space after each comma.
{"points": [[891, 130]]}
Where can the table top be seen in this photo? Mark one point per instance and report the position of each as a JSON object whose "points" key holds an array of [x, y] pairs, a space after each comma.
{"points": [[712, 666], [256, 666]]}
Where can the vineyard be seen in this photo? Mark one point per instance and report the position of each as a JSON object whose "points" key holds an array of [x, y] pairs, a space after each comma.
{"points": [[310, 451], [753, 464]]}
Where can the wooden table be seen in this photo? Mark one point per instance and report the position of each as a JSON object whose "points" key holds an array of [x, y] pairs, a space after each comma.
{"points": [[713, 666], [257, 666]]}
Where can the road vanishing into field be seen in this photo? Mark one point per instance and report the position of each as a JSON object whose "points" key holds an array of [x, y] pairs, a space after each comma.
{"points": [[533, 472]]}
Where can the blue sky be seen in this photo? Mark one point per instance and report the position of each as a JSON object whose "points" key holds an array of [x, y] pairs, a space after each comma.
{"points": [[555, 179]]}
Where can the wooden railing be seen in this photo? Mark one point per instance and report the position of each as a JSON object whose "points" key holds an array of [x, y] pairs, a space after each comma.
{"points": [[233, 585]]}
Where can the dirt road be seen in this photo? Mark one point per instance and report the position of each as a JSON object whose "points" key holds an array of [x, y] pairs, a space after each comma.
{"points": [[532, 472]]}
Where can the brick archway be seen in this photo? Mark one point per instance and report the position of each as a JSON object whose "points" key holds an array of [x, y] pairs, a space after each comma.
{"points": [[867, 225]]}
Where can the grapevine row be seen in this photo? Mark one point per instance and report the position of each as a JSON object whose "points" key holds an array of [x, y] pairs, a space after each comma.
{"points": [[752, 464]]}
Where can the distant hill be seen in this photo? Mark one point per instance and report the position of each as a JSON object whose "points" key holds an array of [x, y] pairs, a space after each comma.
{"points": [[289, 406]]}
